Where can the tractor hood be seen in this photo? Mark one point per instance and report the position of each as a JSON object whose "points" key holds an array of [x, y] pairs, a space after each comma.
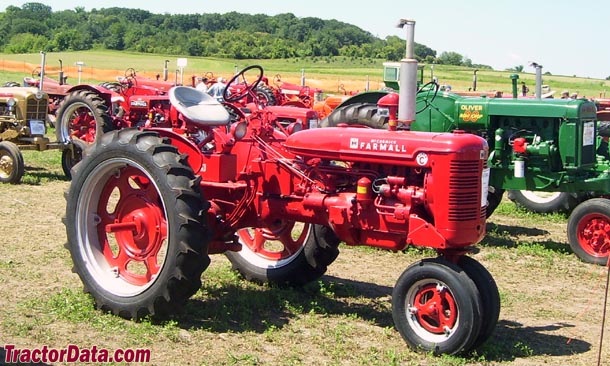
{"points": [[375, 146], [21, 92]]}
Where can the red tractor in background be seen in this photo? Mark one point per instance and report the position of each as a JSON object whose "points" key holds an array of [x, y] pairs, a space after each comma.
{"points": [[147, 207], [76, 111], [603, 109]]}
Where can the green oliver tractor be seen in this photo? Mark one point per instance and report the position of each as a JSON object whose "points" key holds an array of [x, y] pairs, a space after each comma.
{"points": [[536, 145]]}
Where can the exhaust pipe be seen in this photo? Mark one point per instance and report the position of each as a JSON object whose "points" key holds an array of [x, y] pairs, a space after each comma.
{"points": [[61, 72], [514, 79], [538, 92], [43, 61], [408, 77], [474, 80]]}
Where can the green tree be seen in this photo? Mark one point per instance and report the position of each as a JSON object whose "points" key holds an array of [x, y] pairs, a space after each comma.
{"points": [[27, 43], [450, 58]]}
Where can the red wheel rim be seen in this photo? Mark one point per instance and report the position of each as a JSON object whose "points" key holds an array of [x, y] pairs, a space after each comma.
{"points": [[82, 125], [132, 229], [594, 235], [435, 309], [276, 243]]}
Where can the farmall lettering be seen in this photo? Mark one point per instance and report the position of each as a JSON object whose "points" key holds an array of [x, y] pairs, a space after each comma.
{"points": [[377, 145], [471, 113]]}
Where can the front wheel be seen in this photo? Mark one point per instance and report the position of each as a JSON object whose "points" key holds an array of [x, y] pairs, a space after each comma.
{"points": [[494, 198], [70, 157], [135, 225], [12, 166], [290, 253], [490, 296], [436, 307], [589, 231]]}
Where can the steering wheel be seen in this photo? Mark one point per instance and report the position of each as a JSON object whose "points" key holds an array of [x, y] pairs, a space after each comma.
{"points": [[209, 75], [36, 72], [130, 72], [428, 88], [250, 87], [277, 80], [130, 78]]}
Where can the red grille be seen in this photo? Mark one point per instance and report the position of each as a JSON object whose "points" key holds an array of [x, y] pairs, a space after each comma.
{"points": [[464, 191]]}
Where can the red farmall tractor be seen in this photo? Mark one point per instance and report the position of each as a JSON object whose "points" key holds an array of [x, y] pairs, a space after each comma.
{"points": [[76, 111], [146, 209]]}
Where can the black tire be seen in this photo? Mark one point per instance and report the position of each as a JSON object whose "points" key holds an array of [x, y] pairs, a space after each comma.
{"points": [[364, 114], [84, 114], [71, 157], [490, 296], [11, 84], [115, 87], [494, 198], [546, 202], [603, 128], [265, 95], [315, 249], [12, 167], [136, 228], [588, 232], [436, 307]]}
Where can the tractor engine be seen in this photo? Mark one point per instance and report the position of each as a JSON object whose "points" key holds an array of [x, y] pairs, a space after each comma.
{"points": [[23, 112], [536, 144], [145, 111], [386, 189]]}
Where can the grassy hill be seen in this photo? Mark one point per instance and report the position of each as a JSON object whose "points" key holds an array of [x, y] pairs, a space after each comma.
{"points": [[328, 73]]}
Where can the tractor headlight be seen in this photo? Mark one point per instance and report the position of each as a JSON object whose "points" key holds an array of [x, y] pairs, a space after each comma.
{"points": [[39, 94], [295, 127], [11, 102], [383, 112], [238, 130]]}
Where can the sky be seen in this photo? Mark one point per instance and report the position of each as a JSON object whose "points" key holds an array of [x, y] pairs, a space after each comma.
{"points": [[565, 37]]}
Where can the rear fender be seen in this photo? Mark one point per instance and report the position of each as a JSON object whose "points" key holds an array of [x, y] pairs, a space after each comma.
{"points": [[184, 146], [365, 97], [107, 95]]}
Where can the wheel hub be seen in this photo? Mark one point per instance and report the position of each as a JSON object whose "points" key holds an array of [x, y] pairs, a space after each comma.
{"points": [[6, 166], [434, 308], [595, 236], [134, 230]]}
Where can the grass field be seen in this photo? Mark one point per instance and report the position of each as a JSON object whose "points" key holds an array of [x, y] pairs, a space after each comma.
{"points": [[327, 73]]}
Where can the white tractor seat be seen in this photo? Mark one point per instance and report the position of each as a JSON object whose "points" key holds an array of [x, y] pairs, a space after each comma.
{"points": [[198, 106]]}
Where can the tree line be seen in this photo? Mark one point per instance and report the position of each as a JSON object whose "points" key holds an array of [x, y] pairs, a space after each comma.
{"points": [[35, 27]]}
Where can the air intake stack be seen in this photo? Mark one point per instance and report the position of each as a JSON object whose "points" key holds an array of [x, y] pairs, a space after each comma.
{"points": [[408, 77]]}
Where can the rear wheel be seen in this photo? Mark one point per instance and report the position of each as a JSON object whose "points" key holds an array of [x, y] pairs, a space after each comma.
{"points": [[12, 167], [364, 114], [265, 95], [135, 225], [589, 231], [436, 307], [81, 115], [291, 253], [545, 202], [115, 87]]}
